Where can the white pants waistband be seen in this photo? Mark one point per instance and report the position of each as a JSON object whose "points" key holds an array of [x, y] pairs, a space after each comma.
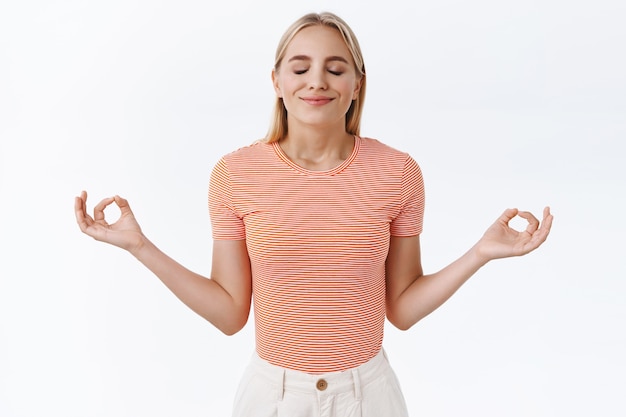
{"points": [[328, 383]]}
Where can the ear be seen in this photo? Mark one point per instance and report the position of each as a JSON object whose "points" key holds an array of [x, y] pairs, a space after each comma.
{"points": [[275, 84], [357, 87]]}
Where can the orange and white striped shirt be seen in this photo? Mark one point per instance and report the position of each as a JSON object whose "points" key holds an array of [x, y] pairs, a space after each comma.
{"points": [[317, 242]]}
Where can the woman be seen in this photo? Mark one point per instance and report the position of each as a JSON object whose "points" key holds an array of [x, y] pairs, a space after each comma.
{"points": [[323, 226]]}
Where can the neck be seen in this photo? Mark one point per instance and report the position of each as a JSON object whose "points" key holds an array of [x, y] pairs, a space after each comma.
{"points": [[318, 149]]}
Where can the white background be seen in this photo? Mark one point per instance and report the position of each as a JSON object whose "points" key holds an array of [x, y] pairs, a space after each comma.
{"points": [[503, 103]]}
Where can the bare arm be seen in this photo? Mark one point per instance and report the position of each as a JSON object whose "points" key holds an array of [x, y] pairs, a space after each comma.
{"points": [[223, 299], [411, 295]]}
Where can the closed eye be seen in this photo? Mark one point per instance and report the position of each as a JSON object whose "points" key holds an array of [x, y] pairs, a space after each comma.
{"points": [[302, 71]]}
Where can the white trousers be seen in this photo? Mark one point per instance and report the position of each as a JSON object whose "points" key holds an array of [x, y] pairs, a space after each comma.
{"points": [[370, 390]]}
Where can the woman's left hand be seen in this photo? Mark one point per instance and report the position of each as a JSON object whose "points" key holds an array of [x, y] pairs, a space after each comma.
{"points": [[502, 241]]}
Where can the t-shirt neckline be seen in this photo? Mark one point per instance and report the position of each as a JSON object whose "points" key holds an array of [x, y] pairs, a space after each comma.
{"points": [[343, 165]]}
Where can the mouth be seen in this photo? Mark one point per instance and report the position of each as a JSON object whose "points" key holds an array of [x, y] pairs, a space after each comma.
{"points": [[317, 100]]}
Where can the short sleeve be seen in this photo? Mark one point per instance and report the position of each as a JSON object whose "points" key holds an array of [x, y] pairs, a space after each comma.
{"points": [[409, 221], [226, 223]]}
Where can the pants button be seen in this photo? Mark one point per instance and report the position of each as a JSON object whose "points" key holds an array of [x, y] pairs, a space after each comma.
{"points": [[321, 384]]}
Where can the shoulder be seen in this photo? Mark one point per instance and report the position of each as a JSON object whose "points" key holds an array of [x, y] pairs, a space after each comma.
{"points": [[251, 164], [371, 143], [248, 153], [248, 158], [389, 162], [374, 149]]}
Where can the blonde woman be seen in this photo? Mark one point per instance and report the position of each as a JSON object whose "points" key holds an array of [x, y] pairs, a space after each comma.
{"points": [[323, 226]]}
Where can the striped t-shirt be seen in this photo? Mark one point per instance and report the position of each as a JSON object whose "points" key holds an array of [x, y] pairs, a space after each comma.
{"points": [[317, 242]]}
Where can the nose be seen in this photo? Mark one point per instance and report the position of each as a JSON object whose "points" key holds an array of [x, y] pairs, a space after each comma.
{"points": [[317, 79]]}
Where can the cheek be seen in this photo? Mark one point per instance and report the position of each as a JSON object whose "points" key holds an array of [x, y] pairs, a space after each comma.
{"points": [[348, 87], [288, 84]]}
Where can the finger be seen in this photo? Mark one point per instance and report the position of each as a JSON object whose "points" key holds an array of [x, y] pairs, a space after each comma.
{"points": [[546, 224], [542, 233], [538, 238], [122, 203], [98, 210], [80, 211], [533, 222], [507, 216], [546, 214], [79, 204]]}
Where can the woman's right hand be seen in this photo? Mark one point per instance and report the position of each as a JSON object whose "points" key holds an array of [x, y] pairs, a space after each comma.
{"points": [[124, 233]]}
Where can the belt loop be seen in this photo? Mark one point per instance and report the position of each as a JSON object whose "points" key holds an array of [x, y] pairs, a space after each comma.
{"points": [[357, 384], [281, 388]]}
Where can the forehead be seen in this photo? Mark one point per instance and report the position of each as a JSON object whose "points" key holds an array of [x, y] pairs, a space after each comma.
{"points": [[318, 41]]}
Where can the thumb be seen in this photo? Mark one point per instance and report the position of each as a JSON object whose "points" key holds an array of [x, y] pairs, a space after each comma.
{"points": [[122, 203]]}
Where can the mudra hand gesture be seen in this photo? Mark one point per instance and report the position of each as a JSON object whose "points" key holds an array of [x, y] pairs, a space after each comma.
{"points": [[124, 233], [502, 241]]}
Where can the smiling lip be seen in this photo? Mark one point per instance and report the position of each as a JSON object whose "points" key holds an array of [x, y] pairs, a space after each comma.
{"points": [[317, 100]]}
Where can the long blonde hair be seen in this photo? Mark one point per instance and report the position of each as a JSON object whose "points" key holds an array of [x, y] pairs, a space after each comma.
{"points": [[278, 123]]}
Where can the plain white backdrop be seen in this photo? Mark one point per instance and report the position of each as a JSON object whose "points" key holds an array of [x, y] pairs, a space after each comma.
{"points": [[502, 103]]}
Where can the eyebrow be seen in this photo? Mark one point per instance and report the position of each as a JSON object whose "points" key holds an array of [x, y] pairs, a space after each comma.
{"points": [[308, 58]]}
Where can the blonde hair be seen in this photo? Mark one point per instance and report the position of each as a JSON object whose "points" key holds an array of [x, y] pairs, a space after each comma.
{"points": [[278, 123]]}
